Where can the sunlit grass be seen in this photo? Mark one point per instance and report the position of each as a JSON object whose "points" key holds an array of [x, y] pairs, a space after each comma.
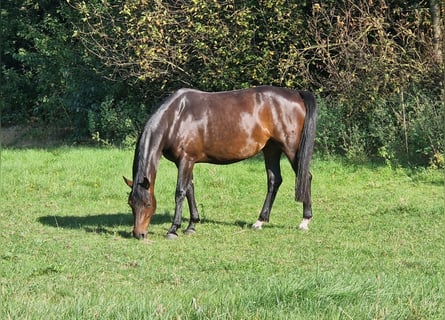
{"points": [[374, 250]]}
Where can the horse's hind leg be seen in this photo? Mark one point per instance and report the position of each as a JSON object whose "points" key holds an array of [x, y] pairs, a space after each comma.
{"points": [[307, 208], [307, 203], [194, 215], [272, 155]]}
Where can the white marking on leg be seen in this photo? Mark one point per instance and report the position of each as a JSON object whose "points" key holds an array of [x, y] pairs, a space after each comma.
{"points": [[304, 225], [258, 225]]}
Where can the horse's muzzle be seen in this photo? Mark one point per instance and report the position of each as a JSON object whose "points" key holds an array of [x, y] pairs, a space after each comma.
{"points": [[140, 235]]}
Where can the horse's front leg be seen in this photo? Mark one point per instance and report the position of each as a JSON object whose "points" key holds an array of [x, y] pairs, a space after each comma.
{"points": [[182, 186], [194, 214]]}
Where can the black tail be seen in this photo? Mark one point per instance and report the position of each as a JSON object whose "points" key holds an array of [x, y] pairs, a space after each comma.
{"points": [[306, 148]]}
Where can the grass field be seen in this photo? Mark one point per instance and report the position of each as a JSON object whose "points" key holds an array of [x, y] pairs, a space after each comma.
{"points": [[374, 250]]}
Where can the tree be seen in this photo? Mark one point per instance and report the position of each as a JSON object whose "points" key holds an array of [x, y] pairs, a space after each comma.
{"points": [[42, 65], [377, 64], [207, 44]]}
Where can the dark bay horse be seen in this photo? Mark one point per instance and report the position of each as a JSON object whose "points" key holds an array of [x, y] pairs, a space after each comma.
{"points": [[224, 127]]}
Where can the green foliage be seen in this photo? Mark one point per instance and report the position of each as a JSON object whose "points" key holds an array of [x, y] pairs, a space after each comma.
{"points": [[425, 135], [205, 44], [111, 122], [402, 129], [102, 66], [36, 55]]}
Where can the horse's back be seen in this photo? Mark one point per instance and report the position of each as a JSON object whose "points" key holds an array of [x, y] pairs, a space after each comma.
{"points": [[228, 106], [228, 126]]}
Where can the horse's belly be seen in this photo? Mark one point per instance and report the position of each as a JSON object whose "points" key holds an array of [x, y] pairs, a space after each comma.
{"points": [[226, 147], [233, 153]]}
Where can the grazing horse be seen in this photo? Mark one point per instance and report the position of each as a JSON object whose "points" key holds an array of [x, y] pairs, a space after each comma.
{"points": [[192, 126]]}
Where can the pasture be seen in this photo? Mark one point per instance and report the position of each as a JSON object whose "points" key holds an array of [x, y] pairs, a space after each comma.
{"points": [[374, 249]]}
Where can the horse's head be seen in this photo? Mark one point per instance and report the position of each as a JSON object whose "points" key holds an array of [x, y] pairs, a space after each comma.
{"points": [[143, 205]]}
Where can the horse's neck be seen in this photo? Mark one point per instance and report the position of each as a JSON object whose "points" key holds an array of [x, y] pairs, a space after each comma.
{"points": [[152, 139], [150, 149]]}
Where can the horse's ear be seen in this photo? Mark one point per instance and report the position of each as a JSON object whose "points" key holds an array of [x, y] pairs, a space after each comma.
{"points": [[128, 182]]}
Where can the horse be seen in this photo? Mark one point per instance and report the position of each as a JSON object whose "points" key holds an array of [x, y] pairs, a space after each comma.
{"points": [[225, 127]]}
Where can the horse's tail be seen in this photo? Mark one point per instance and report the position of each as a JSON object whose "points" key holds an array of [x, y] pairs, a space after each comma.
{"points": [[306, 148]]}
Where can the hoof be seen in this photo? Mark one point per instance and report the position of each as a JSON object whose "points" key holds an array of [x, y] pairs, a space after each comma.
{"points": [[258, 225], [304, 225], [190, 231], [171, 236]]}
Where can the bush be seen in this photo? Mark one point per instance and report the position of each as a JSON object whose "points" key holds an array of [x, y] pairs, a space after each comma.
{"points": [[405, 129], [425, 136], [111, 122]]}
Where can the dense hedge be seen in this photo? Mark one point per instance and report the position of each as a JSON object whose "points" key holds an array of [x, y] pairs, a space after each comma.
{"points": [[102, 66]]}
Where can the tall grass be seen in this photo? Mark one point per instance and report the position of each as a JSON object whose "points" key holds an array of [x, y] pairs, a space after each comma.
{"points": [[374, 250]]}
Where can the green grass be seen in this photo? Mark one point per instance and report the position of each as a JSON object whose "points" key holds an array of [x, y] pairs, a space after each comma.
{"points": [[374, 250]]}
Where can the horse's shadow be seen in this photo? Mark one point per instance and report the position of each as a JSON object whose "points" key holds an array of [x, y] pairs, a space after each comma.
{"points": [[101, 223], [108, 223]]}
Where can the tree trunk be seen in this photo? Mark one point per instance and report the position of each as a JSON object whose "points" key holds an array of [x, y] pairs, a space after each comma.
{"points": [[436, 21]]}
